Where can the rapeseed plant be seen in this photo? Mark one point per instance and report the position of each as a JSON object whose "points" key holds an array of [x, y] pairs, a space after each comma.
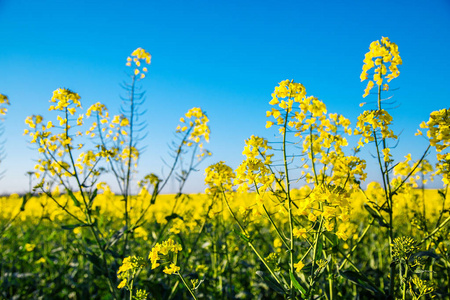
{"points": [[68, 162], [300, 216]]}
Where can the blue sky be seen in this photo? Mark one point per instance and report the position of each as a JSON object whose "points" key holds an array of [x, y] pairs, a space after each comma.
{"points": [[224, 56]]}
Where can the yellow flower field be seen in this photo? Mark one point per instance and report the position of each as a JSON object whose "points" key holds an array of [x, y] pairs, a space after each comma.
{"points": [[292, 221]]}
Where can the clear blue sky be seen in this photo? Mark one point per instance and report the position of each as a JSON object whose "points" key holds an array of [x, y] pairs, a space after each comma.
{"points": [[224, 56]]}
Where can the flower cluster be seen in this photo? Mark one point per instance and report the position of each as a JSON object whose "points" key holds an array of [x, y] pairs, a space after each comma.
{"points": [[439, 135], [419, 287], [439, 129], [382, 55], [255, 169], [161, 251], [219, 177], [112, 134], [149, 179], [98, 108], [195, 122], [332, 204], [193, 132], [404, 247], [347, 169], [284, 95], [64, 98], [3, 101], [371, 122], [107, 129], [138, 58], [322, 133], [129, 268], [404, 169], [283, 98], [57, 142], [286, 114], [141, 295]]}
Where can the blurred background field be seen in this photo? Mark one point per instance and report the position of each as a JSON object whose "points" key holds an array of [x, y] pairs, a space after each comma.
{"points": [[41, 256]]}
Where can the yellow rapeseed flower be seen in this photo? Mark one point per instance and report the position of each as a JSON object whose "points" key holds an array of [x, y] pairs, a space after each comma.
{"points": [[299, 266], [381, 54]]}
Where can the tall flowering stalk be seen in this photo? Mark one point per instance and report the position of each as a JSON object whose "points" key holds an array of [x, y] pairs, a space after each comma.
{"points": [[67, 161], [139, 60], [310, 217], [438, 133], [332, 173], [220, 181], [69, 164], [118, 136], [374, 126]]}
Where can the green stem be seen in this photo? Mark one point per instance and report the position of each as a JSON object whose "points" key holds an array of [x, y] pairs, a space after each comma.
{"points": [[131, 289], [443, 207], [316, 241], [276, 228], [249, 242], [126, 194], [288, 195], [404, 281], [331, 275], [388, 195], [88, 213], [356, 244], [436, 230], [187, 286], [313, 157], [356, 269]]}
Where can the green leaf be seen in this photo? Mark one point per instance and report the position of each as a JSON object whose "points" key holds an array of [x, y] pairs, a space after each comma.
{"points": [[25, 199], [173, 216], [74, 199], [425, 253], [97, 262], [116, 236], [362, 282], [243, 236], [319, 271], [113, 253], [297, 284], [376, 215], [155, 193], [307, 268], [92, 197], [71, 227], [333, 239], [271, 282], [319, 248]]}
